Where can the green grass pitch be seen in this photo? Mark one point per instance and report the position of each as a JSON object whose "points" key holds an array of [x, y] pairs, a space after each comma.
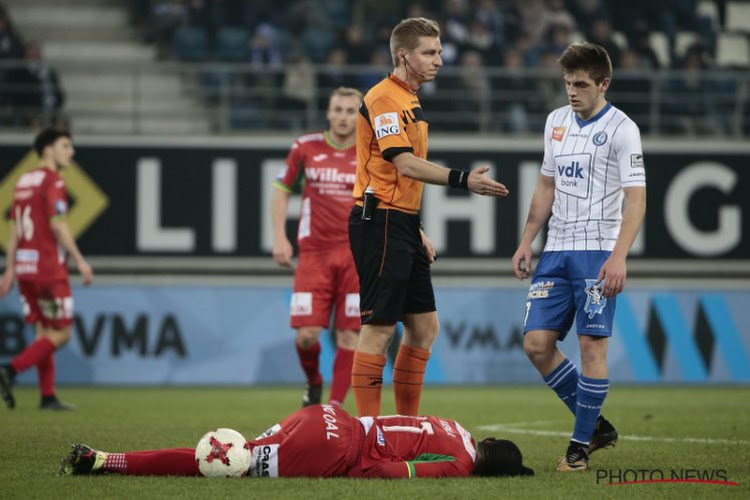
{"points": [[691, 431]]}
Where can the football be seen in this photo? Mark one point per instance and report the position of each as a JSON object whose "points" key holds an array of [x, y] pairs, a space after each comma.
{"points": [[223, 453]]}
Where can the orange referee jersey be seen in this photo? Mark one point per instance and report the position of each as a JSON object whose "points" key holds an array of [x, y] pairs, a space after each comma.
{"points": [[390, 122]]}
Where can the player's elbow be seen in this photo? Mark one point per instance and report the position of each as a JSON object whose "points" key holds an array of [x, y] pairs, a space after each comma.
{"points": [[404, 165]]}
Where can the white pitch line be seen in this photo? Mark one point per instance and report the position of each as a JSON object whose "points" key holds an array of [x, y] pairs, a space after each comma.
{"points": [[514, 429]]}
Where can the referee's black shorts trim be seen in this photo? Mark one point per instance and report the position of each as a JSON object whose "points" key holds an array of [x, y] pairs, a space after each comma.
{"points": [[394, 271]]}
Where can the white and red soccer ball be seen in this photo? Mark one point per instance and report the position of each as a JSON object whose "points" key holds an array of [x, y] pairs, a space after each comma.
{"points": [[223, 453]]}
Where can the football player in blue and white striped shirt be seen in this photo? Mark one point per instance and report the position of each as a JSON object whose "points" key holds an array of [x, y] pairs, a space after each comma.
{"points": [[592, 161]]}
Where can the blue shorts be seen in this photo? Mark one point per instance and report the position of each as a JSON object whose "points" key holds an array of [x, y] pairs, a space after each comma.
{"points": [[564, 288]]}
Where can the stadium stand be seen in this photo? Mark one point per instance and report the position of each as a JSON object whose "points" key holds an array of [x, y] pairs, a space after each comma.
{"points": [[172, 66]]}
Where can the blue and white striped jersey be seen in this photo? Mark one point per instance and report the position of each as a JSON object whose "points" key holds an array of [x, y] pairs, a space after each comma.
{"points": [[591, 162]]}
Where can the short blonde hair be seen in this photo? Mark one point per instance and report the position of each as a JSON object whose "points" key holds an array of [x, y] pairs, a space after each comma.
{"points": [[406, 34], [345, 92]]}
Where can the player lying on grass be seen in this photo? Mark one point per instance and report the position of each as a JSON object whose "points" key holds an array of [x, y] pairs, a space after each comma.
{"points": [[325, 441]]}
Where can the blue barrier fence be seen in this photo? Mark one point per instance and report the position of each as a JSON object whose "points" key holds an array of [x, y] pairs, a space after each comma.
{"points": [[177, 335]]}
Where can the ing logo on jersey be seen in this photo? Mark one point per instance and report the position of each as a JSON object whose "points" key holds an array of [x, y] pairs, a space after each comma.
{"points": [[387, 124], [600, 138], [595, 302]]}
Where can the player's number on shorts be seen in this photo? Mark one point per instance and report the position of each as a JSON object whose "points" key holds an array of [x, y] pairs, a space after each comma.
{"points": [[24, 224], [423, 427], [526, 314]]}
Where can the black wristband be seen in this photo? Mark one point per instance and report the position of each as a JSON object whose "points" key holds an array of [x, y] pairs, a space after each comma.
{"points": [[458, 178]]}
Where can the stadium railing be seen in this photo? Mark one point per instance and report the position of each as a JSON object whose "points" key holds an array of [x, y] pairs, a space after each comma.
{"points": [[227, 98]]}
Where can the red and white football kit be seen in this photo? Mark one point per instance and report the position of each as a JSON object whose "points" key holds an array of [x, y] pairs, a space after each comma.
{"points": [[325, 441], [41, 266], [325, 274], [385, 447]]}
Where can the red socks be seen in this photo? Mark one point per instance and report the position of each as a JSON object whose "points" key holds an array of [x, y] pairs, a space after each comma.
{"points": [[342, 375], [309, 359], [46, 370], [32, 355], [171, 462]]}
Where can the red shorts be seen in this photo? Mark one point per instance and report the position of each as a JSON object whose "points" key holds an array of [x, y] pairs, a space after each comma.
{"points": [[325, 280], [47, 302]]}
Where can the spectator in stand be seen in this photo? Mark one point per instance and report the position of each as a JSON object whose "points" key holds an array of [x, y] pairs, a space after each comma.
{"points": [[586, 12], [480, 39], [681, 15], [638, 40], [264, 51], [558, 39], [512, 85], [379, 61], [631, 90], [166, 17], [601, 34], [11, 44], [37, 95], [490, 15], [687, 108], [472, 104], [358, 51]]}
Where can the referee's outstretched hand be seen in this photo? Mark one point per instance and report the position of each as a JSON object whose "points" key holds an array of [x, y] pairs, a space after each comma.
{"points": [[481, 184]]}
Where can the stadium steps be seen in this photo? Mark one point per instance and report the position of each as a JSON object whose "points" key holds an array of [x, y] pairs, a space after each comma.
{"points": [[111, 81]]}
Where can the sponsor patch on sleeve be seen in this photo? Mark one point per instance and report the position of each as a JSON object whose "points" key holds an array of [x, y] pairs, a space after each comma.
{"points": [[387, 124], [636, 161], [558, 133], [61, 207]]}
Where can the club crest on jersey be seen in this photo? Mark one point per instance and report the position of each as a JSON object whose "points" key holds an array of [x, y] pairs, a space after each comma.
{"points": [[387, 124], [600, 138], [595, 302], [558, 133]]}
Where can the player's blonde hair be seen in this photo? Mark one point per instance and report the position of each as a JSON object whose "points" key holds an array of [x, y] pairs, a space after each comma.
{"points": [[345, 92], [588, 57], [406, 34]]}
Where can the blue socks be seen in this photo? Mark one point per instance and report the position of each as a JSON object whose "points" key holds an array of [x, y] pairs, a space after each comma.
{"points": [[564, 381], [590, 398]]}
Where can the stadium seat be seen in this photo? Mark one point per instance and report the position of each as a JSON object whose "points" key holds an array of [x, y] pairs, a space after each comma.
{"points": [[191, 44], [318, 43], [708, 8], [738, 16], [245, 115], [733, 50], [658, 42], [620, 40], [232, 43], [683, 41]]}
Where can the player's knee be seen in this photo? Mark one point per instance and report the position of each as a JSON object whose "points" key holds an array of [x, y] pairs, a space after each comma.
{"points": [[307, 337], [58, 337], [536, 348], [346, 339]]}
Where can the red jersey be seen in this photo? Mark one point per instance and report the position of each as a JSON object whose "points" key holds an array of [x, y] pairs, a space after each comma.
{"points": [[325, 441], [327, 173], [38, 198]]}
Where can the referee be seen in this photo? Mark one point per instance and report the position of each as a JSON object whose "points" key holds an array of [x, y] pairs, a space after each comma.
{"points": [[391, 252]]}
